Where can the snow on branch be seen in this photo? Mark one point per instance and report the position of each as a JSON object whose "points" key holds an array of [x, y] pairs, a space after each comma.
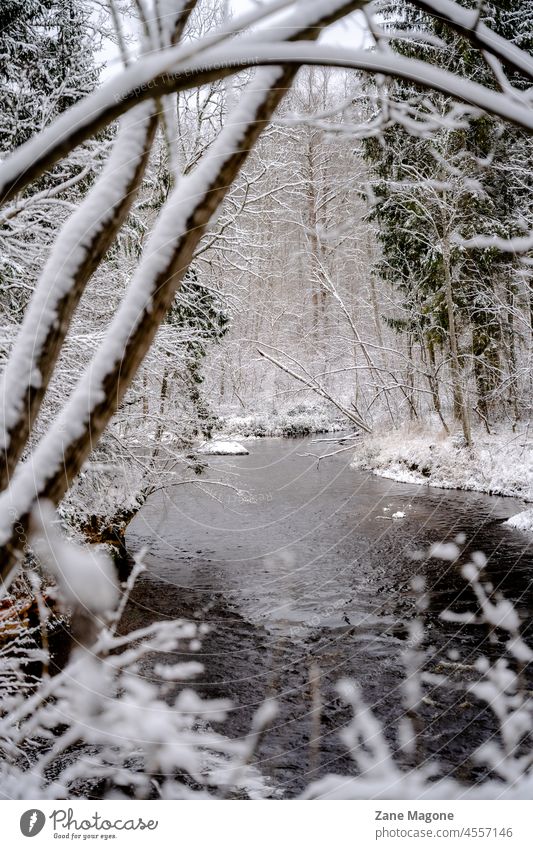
{"points": [[77, 252], [518, 111], [80, 246], [86, 575], [515, 245], [150, 77], [59, 456], [466, 22], [171, 70]]}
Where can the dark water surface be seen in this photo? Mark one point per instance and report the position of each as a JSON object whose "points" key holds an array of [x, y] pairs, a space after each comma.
{"points": [[308, 570]]}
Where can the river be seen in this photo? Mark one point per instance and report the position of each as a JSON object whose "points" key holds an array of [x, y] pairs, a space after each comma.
{"points": [[307, 575]]}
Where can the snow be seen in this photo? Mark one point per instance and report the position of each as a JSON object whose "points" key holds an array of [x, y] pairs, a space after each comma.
{"points": [[468, 20], [174, 221], [292, 422], [522, 521], [516, 245], [106, 721], [520, 650], [148, 77], [415, 785], [218, 446], [100, 699], [499, 464], [379, 62], [116, 95], [265, 714], [178, 671], [445, 551], [63, 266]]}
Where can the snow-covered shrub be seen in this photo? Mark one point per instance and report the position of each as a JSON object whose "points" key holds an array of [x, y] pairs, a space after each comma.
{"points": [[507, 758], [296, 421], [99, 725]]}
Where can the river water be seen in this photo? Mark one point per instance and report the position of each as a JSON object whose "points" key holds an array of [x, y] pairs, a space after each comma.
{"points": [[305, 574]]}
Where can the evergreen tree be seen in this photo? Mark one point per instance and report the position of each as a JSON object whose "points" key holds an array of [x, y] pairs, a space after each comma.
{"points": [[201, 317], [455, 184], [46, 65]]}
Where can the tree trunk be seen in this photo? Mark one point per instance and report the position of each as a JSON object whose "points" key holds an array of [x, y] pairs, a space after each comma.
{"points": [[459, 406]]}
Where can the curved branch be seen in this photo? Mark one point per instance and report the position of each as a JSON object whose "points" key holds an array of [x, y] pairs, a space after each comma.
{"points": [[466, 23], [77, 253], [149, 78], [168, 72], [79, 249], [518, 111]]}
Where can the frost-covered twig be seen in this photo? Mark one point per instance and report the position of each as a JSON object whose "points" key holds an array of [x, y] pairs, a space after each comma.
{"points": [[508, 755], [100, 723]]}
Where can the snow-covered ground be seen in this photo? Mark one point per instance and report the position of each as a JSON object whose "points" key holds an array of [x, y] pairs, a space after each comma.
{"points": [[498, 464], [522, 521]]}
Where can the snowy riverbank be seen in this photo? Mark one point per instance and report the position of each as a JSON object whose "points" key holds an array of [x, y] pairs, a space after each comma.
{"points": [[296, 422], [498, 464]]}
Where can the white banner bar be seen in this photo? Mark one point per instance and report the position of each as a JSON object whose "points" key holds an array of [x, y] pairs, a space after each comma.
{"points": [[268, 824]]}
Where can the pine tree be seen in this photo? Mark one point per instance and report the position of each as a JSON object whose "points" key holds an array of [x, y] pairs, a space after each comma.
{"points": [[202, 318], [46, 65], [420, 223]]}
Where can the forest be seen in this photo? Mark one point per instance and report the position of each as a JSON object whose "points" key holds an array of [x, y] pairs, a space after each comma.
{"points": [[266, 351]]}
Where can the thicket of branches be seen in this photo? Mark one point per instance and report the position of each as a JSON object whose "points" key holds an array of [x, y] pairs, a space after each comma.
{"points": [[360, 219]]}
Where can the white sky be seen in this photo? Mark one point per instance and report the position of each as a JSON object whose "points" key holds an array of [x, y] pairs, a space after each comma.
{"points": [[347, 33]]}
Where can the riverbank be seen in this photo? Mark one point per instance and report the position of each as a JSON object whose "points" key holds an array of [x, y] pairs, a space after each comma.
{"points": [[500, 463], [302, 580], [296, 422]]}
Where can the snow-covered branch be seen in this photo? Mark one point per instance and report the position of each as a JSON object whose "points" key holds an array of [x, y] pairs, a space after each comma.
{"points": [[189, 66], [58, 458]]}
